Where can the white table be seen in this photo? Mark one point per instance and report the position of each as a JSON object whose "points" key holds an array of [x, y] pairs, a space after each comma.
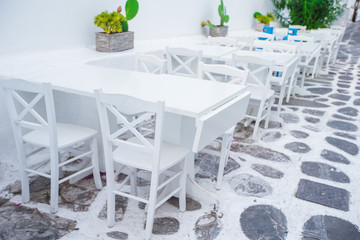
{"points": [[187, 101], [208, 51]]}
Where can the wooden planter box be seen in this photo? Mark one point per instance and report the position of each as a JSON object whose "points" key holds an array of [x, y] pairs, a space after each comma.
{"points": [[219, 31], [114, 42]]}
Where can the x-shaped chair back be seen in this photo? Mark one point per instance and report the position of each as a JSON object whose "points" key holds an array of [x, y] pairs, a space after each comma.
{"points": [[222, 41], [116, 106], [223, 73], [260, 70], [298, 38], [26, 101], [183, 61], [150, 63]]}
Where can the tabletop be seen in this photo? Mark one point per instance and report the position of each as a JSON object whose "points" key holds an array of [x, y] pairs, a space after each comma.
{"points": [[208, 51], [185, 96], [279, 58]]}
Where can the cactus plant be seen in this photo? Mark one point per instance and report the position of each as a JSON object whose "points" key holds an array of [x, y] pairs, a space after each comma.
{"points": [[224, 17]]}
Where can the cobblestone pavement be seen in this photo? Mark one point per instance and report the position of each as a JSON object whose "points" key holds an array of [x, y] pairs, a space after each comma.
{"points": [[299, 180]]}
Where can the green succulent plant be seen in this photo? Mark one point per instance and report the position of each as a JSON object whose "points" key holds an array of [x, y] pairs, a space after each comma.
{"points": [[116, 22], [264, 18], [224, 17]]}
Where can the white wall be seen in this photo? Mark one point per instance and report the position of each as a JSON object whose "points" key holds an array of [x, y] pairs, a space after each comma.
{"points": [[48, 24]]}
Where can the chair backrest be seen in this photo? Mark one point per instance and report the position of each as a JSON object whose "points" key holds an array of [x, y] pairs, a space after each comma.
{"points": [[183, 61], [292, 31], [222, 41], [245, 42], [298, 27], [269, 30], [298, 38], [149, 63], [260, 70], [279, 47], [264, 36], [116, 107], [223, 73], [30, 106]]}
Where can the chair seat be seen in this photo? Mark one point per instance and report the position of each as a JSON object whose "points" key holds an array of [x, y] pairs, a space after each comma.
{"points": [[169, 156], [257, 92], [67, 135]]}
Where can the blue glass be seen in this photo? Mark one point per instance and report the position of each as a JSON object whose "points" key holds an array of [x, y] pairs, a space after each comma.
{"points": [[292, 31], [269, 30]]}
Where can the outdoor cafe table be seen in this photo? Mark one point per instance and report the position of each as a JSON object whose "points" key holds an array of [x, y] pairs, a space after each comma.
{"points": [[187, 101]]}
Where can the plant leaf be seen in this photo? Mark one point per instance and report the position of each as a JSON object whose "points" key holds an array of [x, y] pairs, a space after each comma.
{"points": [[131, 9], [226, 18], [212, 26]]}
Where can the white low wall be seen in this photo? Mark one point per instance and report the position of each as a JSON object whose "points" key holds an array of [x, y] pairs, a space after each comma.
{"points": [[42, 24]]}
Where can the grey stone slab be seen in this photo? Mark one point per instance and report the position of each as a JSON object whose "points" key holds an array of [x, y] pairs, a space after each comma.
{"points": [[343, 85], [260, 152], [357, 93], [343, 117], [320, 90], [299, 134], [267, 171], [207, 227], [312, 128], [118, 235], [357, 102], [344, 145], [325, 227], [165, 226], [209, 166], [289, 117], [294, 108], [341, 125], [305, 103], [324, 171], [297, 147], [120, 208], [27, 224], [339, 96], [334, 156], [349, 111], [263, 222], [271, 136], [345, 135], [343, 91], [345, 77], [312, 119], [248, 185], [322, 99], [323, 194], [338, 103], [191, 204], [313, 112]]}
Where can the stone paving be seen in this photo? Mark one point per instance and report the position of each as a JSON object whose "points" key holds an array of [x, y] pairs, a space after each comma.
{"points": [[299, 180]]}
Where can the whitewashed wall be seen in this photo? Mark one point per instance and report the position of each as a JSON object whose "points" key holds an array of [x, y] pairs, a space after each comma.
{"points": [[48, 24]]}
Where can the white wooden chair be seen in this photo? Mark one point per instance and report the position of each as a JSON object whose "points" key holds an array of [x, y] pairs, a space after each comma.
{"points": [[245, 42], [138, 152], [32, 114], [222, 41], [229, 74], [183, 61], [149, 63], [262, 96], [278, 47], [300, 28], [299, 38], [264, 36]]}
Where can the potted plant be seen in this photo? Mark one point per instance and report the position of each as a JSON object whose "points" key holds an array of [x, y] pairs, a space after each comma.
{"points": [[218, 30], [116, 36], [263, 20]]}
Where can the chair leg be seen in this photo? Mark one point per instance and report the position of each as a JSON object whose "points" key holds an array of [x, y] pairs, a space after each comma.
{"points": [[54, 195], [281, 98], [133, 181], [95, 162], [182, 194], [225, 148], [110, 182], [25, 188], [151, 205], [267, 119]]}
